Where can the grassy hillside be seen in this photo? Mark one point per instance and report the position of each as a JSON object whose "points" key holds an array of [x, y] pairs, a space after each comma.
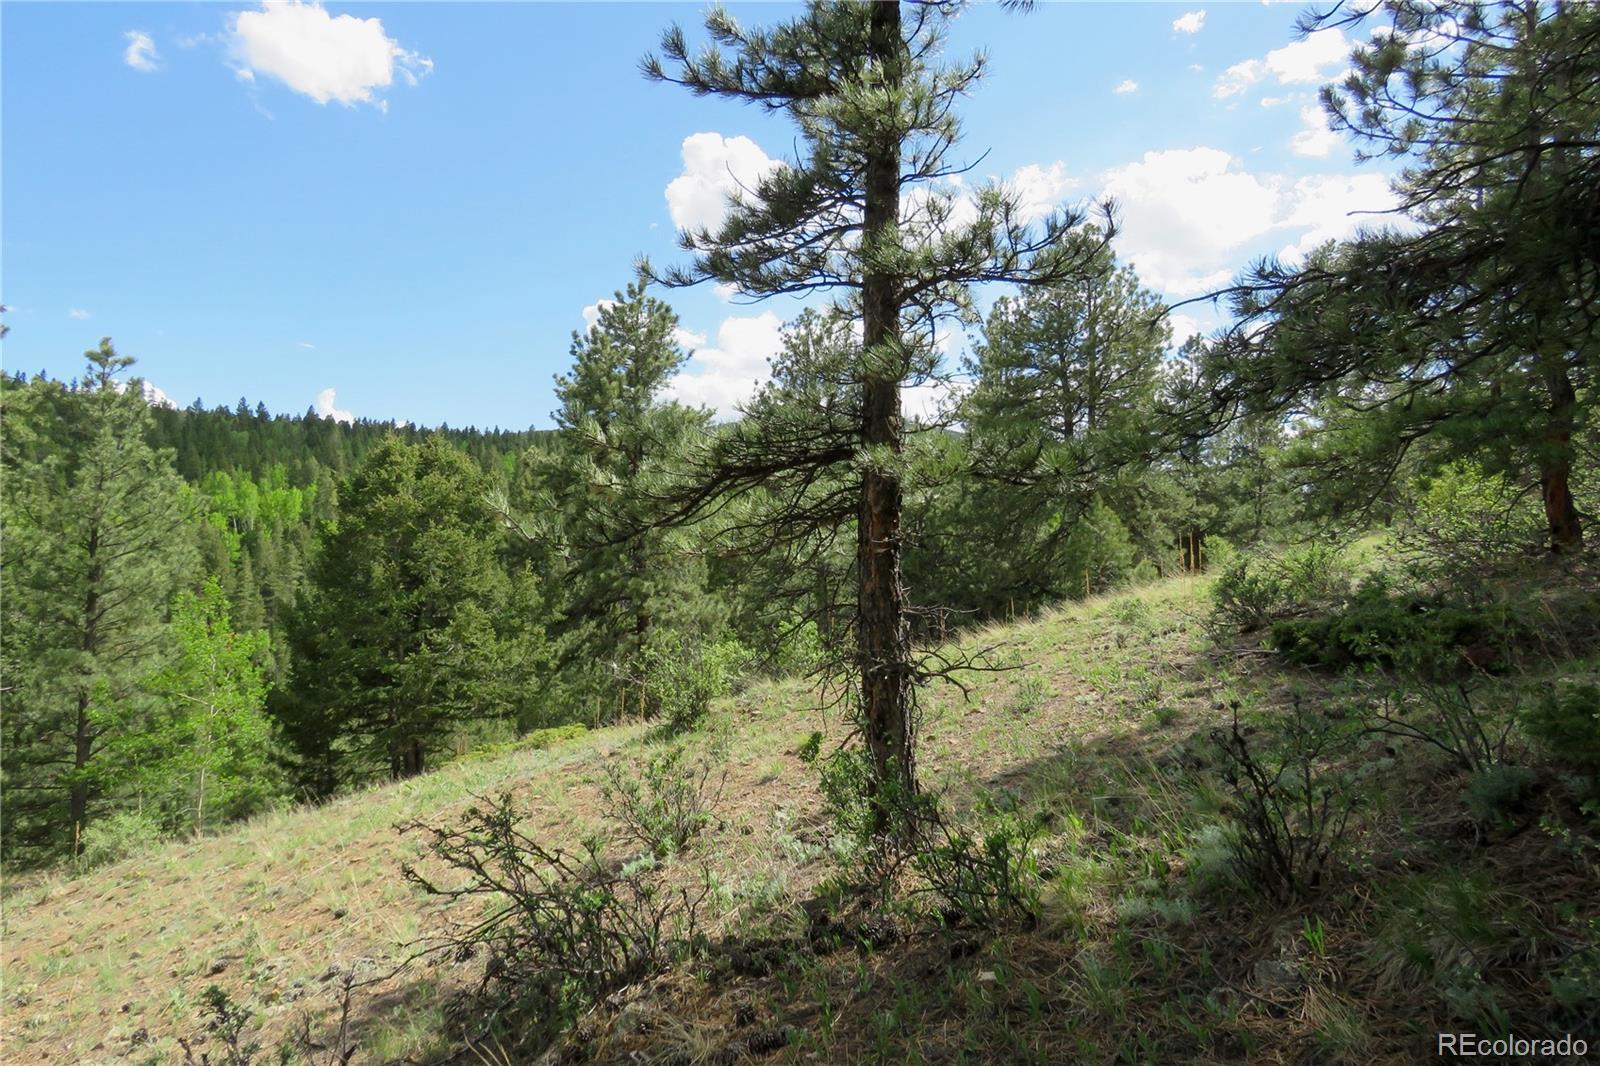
{"points": [[1147, 946]]}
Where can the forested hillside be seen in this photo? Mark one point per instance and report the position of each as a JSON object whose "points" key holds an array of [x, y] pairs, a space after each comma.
{"points": [[1230, 697]]}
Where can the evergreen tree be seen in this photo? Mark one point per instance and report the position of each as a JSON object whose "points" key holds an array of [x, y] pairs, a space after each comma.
{"points": [[618, 585], [98, 538], [397, 642], [862, 211], [1474, 335]]}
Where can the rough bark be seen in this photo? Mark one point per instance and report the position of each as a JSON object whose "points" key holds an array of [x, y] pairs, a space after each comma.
{"points": [[1555, 468], [883, 632]]}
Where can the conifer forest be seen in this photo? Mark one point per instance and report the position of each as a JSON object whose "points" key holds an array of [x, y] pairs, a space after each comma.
{"points": [[1039, 664]]}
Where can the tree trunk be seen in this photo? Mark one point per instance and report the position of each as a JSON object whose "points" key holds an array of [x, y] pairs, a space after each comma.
{"points": [[1555, 468], [883, 633]]}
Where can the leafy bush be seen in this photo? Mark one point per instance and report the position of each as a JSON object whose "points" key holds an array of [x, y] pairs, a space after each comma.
{"points": [[562, 928], [680, 681], [1496, 793], [664, 802], [1409, 632], [1290, 814], [1255, 590], [119, 836], [984, 877], [1463, 522], [1565, 721]]}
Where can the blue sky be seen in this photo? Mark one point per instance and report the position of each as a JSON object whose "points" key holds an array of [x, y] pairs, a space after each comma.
{"points": [[413, 204]]}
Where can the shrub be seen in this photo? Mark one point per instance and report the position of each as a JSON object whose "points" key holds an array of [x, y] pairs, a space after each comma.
{"points": [[562, 928], [1496, 793], [1463, 522], [680, 681], [664, 802], [1098, 554], [984, 877], [1565, 721], [1255, 590], [1455, 718], [1290, 814], [118, 836]]}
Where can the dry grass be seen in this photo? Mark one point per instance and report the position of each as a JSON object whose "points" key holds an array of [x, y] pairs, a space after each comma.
{"points": [[1101, 733]]}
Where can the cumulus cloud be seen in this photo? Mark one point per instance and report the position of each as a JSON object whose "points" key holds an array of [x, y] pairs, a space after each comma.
{"points": [[1187, 214], [723, 376], [78, 313], [725, 290], [1039, 190], [1319, 58], [716, 169], [1184, 210], [322, 56], [1125, 86], [325, 407], [1331, 207], [1190, 22], [1315, 140], [591, 313], [141, 51], [154, 396]]}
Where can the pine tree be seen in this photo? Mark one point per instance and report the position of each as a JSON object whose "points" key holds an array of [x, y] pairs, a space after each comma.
{"points": [[1472, 336], [98, 539], [862, 212], [397, 643], [615, 428]]}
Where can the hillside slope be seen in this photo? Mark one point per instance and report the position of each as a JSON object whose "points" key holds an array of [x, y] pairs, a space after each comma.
{"points": [[1145, 950]]}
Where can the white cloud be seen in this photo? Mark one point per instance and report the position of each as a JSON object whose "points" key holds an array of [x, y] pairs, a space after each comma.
{"points": [[1184, 326], [1190, 22], [306, 344], [154, 396], [1127, 85], [688, 339], [724, 376], [141, 51], [1183, 210], [1330, 207], [725, 290], [715, 170], [1189, 214], [1318, 58], [326, 409], [1316, 139], [323, 56], [78, 313], [1040, 189], [591, 313]]}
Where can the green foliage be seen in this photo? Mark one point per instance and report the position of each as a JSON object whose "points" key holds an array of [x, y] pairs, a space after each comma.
{"points": [[664, 801], [1098, 554], [97, 529], [1255, 589], [680, 682], [1497, 794], [405, 630], [1462, 524], [205, 756], [117, 836], [984, 877], [1565, 721]]}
